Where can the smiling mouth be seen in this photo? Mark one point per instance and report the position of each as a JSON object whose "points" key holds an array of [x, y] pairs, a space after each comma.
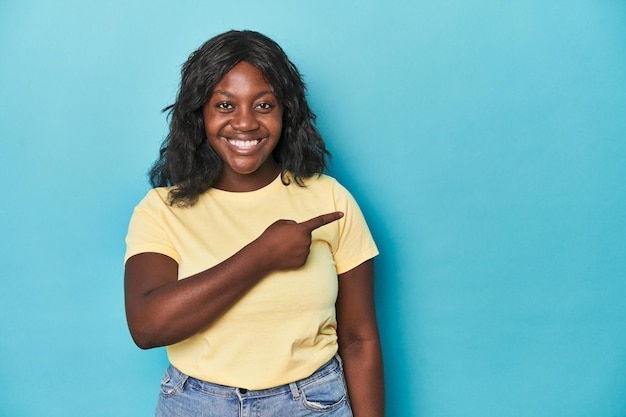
{"points": [[244, 145]]}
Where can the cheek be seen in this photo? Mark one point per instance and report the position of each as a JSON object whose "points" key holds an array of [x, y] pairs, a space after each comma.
{"points": [[278, 124], [209, 129], [206, 117], [212, 126]]}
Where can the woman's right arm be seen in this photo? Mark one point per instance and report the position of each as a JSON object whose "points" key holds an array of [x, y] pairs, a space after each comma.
{"points": [[162, 310]]}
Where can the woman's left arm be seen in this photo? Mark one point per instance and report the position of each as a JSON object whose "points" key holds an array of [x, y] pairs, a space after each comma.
{"points": [[359, 343]]}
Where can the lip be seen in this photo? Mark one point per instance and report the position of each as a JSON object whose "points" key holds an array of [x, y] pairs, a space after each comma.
{"points": [[243, 146]]}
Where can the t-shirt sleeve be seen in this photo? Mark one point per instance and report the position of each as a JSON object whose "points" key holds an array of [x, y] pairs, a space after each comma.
{"points": [[355, 244], [146, 232]]}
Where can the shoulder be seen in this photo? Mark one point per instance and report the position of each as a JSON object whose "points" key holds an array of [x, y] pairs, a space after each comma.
{"points": [[158, 195], [328, 189], [328, 184], [321, 181], [156, 199], [317, 185]]}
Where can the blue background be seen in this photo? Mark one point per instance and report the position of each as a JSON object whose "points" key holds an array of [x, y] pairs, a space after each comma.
{"points": [[485, 141]]}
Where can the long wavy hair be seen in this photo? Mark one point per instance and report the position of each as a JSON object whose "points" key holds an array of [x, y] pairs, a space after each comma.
{"points": [[187, 161]]}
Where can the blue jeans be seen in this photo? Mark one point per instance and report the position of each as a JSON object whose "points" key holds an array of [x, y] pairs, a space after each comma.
{"points": [[321, 394]]}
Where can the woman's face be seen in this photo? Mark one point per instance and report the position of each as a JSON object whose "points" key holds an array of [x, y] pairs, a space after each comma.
{"points": [[243, 122]]}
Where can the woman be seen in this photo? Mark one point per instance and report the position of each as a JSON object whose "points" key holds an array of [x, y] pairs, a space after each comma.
{"points": [[250, 265]]}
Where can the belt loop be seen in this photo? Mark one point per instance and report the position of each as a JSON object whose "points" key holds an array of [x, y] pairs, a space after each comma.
{"points": [[295, 392], [339, 360]]}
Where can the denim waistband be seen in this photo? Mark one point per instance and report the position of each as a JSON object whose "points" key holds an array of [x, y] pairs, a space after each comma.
{"points": [[226, 391]]}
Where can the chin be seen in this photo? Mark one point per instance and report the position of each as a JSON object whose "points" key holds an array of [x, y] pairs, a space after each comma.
{"points": [[245, 170]]}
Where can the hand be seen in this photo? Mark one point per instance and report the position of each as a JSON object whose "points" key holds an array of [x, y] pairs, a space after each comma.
{"points": [[287, 243]]}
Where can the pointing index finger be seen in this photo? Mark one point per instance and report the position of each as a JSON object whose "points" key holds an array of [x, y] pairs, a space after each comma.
{"points": [[322, 220]]}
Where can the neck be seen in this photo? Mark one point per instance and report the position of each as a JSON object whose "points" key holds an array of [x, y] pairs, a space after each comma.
{"points": [[241, 183]]}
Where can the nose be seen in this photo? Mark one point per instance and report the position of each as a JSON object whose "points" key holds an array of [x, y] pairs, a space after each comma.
{"points": [[244, 120]]}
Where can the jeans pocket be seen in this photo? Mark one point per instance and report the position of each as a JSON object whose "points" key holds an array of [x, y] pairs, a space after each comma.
{"points": [[325, 394], [173, 381]]}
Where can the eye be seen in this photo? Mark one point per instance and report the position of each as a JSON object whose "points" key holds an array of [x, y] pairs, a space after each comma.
{"points": [[224, 106], [265, 106]]}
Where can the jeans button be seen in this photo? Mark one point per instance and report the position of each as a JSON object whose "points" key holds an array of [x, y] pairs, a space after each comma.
{"points": [[242, 390]]}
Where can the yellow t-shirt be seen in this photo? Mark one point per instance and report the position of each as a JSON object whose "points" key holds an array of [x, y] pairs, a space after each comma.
{"points": [[284, 328]]}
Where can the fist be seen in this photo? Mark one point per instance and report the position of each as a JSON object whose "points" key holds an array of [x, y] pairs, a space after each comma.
{"points": [[288, 243]]}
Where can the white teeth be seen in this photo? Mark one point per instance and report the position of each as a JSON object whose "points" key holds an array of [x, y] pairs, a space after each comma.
{"points": [[243, 144]]}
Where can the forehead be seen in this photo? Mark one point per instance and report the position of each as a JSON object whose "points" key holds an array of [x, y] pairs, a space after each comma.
{"points": [[241, 79]]}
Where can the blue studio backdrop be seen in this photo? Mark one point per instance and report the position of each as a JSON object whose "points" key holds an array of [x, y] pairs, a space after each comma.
{"points": [[485, 141]]}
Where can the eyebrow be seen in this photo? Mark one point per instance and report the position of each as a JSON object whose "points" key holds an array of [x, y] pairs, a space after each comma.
{"points": [[231, 95]]}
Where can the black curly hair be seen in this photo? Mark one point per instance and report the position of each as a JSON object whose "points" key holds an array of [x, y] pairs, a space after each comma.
{"points": [[187, 161]]}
